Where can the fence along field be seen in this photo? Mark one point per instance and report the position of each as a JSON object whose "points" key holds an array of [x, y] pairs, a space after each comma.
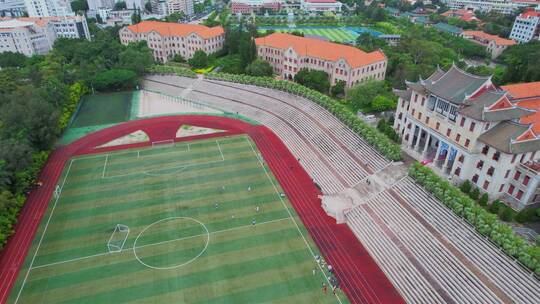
{"points": [[197, 222]]}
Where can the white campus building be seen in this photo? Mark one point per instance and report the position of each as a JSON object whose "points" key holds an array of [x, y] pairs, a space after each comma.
{"points": [[465, 128], [135, 4], [12, 8], [48, 8], [167, 39], [36, 35], [526, 26], [320, 5], [500, 6], [180, 6]]}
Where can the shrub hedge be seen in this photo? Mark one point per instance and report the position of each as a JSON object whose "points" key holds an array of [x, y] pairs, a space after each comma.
{"points": [[375, 138], [484, 222], [168, 69]]}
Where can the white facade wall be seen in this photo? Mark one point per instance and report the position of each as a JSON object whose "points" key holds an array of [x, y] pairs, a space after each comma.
{"points": [[525, 29], [287, 63], [135, 4], [48, 8], [320, 6], [164, 48], [177, 6]]}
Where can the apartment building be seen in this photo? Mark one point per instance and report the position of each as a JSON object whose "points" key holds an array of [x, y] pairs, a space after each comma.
{"points": [[135, 4], [466, 128], [494, 44], [180, 6], [320, 5], [287, 54], [255, 6], [526, 26], [168, 39], [12, 8], [462, 14], [48, 8], [25, 37], [159, 7], [500, 6]]}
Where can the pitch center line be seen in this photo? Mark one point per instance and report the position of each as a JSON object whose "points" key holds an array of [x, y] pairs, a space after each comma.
{"points": [[155, 244]]}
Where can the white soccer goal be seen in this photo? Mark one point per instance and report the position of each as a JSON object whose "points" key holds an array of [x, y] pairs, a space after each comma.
{"points": [[118, 238], [163, 143]]}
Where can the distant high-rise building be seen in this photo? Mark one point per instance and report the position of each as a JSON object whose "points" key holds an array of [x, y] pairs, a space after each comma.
{"points": [[95, 5], [526, 26], [48, 8], [177, 6], [159, 7], [135, 4], [12, 8]]}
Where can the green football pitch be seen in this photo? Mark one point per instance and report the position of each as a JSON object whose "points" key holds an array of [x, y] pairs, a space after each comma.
{"points": [[193, 222], [339, 35]]}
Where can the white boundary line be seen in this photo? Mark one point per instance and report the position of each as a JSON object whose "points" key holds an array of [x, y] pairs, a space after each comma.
{"points": [[174, 266], [220, 152], [158, 243], [290, 214], [105, 165], [43, 234]]}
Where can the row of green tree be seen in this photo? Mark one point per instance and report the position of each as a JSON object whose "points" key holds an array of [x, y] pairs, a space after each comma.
{"points": [[38, 96]]}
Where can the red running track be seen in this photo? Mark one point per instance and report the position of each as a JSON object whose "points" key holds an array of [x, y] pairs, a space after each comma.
{"points": [[360, 277]]}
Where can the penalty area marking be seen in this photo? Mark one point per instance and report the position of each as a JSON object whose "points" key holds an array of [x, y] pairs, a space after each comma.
{"points": [[167, 219]]}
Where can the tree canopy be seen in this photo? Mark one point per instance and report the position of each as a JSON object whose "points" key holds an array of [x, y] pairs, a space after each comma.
{"points": [[259, 67], [317, 80]]}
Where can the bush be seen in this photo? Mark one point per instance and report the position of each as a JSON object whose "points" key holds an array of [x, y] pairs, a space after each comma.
{"points": [[486, 224], [259, 68], [494, 207], [381, 103], [115, 79], [386, 129], [483, 200], [466, 187], [527, 215], [506, 213], [166, 69], [199, 60], [313, 79], [375, 138], [474, 194]]}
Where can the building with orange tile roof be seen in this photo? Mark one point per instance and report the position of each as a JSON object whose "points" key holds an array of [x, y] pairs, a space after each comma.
{"points": [[255, 6], [168, 39], [462, 14], [466, 128], [494, 44], [526, 26], [287, 54]]}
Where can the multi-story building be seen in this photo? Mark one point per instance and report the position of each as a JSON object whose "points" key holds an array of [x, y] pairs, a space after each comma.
{"points": [[48, 8], [467, 129], [500, 6], [168, 39], [255, 6], [526, 26], [288, 54], [94, 5], [159, 7], [180, 6], [320, 5], [25, 37], [135, 4], [74, 27], [462, 14], [12, 8], [494, 44]]}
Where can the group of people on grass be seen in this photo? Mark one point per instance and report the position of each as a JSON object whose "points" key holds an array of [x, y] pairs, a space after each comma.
{"points": [[332, 279]]}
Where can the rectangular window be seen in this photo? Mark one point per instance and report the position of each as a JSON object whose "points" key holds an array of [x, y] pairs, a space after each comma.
{"points": [[485, 150], [448, 132], [419, 116], [514, 158], [475, 178], [510, 189], [480, 164], [485, 185], [461, 158], [517, 175], [427, 120], [457, 171], [526, 180], [471, 127], [437, 126], [507, 173], [467, 142], [458, 136], [519, 195], [413, 111], [431, 103], [496, 156], [501, 188]]}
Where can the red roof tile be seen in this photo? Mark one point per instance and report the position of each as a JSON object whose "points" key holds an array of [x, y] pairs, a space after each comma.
{"points": [[321, 49], [176, 29], [498, 40], [523, 90]]}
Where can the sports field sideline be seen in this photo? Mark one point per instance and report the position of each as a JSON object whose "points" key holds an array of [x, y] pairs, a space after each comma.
{"points": [[187, 212]]}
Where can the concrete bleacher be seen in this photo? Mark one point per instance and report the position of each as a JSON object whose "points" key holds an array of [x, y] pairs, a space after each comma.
{"points": [[428, 253]]}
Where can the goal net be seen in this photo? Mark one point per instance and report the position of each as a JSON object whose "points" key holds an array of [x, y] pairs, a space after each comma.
{"points": [[163, 143], [57, 191], [118, 238]]}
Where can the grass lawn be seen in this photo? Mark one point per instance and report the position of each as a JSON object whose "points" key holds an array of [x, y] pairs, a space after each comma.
{"points": [[189, 209]]}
